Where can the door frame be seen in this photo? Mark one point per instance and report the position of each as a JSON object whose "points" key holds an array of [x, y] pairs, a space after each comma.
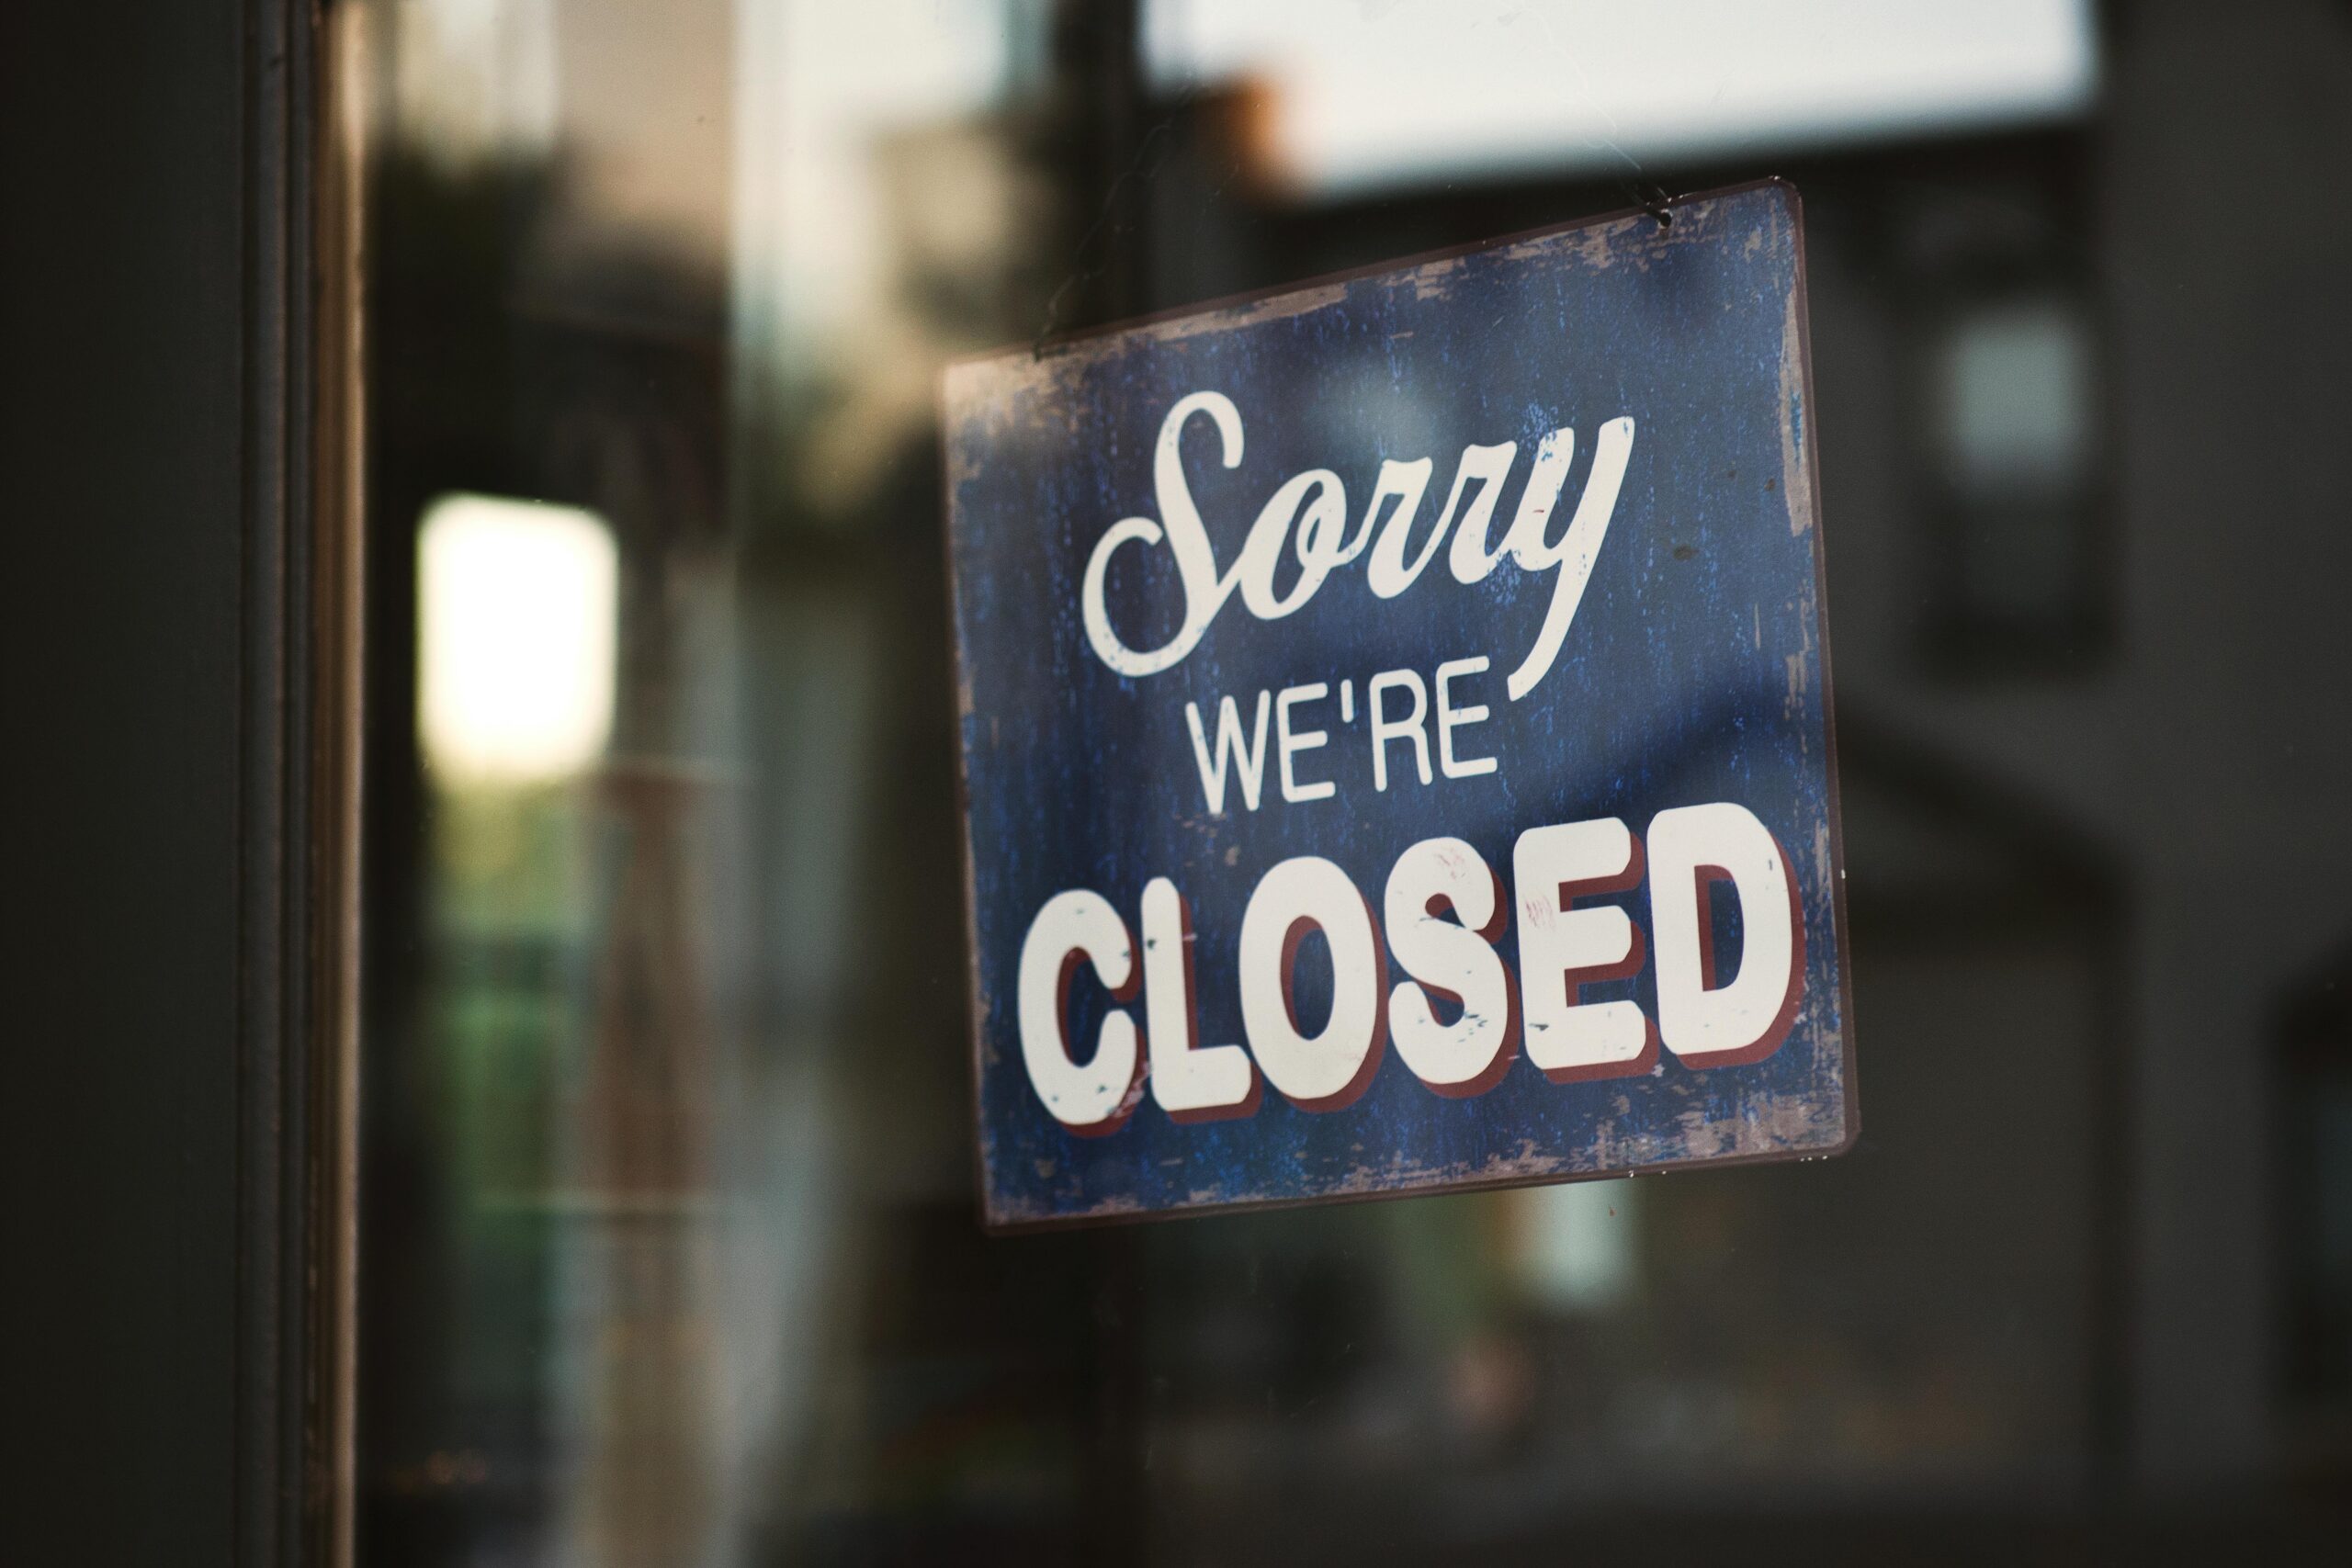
{"points": [[180, 349]]}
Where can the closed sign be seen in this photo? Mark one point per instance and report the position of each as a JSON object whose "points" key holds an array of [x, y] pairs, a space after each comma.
{"points": [[1395, 730]]}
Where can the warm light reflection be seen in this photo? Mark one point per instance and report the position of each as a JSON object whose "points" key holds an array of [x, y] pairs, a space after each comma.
{"points": [[516, 603]]}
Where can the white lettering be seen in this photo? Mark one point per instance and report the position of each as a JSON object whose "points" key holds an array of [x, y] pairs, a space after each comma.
{"points": [[1562, 948], [1385, 729], [1386, 572], [1192, 1082], [1309, 510], [1098, 1096], [1572, 558], [1457, 961], [1702, 1021], [1289, 742], [1489, 466], [1230, 749], [1443, 916], [1320, 543], [1471, 559], [1327, 1070], [1188, 543], [1451, 718]]}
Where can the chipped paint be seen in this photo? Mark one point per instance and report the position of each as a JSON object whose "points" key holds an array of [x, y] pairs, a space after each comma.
{"points": [[1796, 472]]}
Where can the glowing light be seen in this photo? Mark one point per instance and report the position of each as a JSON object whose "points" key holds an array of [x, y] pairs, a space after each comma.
{"points": [[516, 607], [1373, 93]]}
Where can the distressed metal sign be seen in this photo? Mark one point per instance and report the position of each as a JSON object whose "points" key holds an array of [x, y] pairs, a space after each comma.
{"points": [[1395, 718]]}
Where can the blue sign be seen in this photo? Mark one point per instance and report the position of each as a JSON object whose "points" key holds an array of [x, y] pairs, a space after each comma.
{"points": [[1396, 731]]}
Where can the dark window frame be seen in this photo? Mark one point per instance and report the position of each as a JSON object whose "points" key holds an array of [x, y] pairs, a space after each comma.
{"points": [[182, 719]]}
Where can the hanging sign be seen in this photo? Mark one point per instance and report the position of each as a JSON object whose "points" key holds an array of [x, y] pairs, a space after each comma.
{"points": [[1396, 731]]}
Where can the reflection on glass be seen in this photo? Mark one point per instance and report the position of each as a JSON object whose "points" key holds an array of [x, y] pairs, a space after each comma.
{"points": [[2013, 396], [1364, 95], [1577, 1244], [2016, 399], [516, 638], [668, 1246]]}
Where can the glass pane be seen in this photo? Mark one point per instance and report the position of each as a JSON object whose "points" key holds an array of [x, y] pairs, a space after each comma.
{"points": [[670, 1243]]}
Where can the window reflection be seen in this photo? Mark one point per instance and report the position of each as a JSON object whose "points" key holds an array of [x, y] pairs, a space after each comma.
{"points": [[2014, 397], [515, 635], [1575, 1246], [669, 1242], [1364, 96]]}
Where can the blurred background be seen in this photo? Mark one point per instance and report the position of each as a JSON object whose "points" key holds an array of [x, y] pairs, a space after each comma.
{"points": [[659, 769]]}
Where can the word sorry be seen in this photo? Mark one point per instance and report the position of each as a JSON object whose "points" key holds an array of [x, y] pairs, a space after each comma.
{"points": [[1315, 504], [1706, 1022]]}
